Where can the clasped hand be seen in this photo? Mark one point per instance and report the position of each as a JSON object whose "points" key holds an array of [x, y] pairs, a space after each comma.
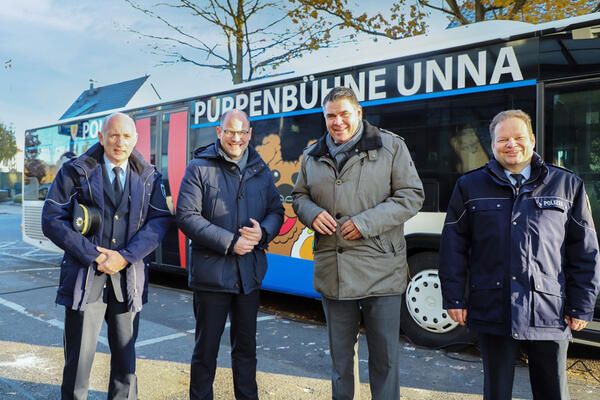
{"points": [[110, 261], [250, 236], [325, 224]]}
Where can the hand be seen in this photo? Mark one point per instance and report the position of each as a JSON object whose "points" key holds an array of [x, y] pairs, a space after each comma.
{"points": [[113, 261], [244, 246], [458, 315], [574, 323], [350, 231], [101, 258], [324, 223], [253, 233]]}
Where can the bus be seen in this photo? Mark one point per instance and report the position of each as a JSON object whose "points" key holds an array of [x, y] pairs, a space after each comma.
{"points": [[439, 92]]}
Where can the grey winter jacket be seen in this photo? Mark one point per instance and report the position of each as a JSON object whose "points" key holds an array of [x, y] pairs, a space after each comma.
{"points": [[379, 188]]}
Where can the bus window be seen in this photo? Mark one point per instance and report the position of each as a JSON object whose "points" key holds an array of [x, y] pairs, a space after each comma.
{"points": [[450, 136], [573, 135]]}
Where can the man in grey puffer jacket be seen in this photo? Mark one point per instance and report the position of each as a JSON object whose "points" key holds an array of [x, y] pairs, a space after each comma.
{"points": [[356, 188]]}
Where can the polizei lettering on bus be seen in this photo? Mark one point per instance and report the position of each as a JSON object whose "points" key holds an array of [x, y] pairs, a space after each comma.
{"points": [[385, 81]]}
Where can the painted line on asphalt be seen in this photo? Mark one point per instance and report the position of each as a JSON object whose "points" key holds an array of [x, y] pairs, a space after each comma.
{"points": [[160, 339], [60, 325], [30, 259], [29, 270], [52, 322]]}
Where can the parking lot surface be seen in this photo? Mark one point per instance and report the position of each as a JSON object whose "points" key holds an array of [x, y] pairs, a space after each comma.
{"points": [[293, 358]]}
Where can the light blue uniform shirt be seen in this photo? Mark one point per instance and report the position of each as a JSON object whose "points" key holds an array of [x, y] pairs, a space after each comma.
{"points": [[111, 175], [526, 172]]}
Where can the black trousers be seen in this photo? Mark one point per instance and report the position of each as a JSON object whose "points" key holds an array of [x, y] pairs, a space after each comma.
{"points": [[211, 310], [547, 366], [80, 338]]}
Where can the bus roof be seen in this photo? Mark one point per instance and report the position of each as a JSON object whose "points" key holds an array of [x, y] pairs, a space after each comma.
{"points": [[337, 58]]}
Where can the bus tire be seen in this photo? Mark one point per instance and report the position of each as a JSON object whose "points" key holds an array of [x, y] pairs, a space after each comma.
{"points": [[422, 318]]}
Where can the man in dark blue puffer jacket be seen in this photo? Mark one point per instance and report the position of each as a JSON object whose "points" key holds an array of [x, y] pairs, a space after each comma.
{"points": [[230, 210]]}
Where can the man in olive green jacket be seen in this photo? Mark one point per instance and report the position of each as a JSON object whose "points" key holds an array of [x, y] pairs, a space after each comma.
{"points": [[356, 188]]}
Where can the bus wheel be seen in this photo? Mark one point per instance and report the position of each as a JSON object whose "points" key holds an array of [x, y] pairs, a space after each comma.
{"points": [[422, 319]]}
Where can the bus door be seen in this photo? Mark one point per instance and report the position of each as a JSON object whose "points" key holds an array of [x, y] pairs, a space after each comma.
{"points": [[162, 139], [572, 138]]}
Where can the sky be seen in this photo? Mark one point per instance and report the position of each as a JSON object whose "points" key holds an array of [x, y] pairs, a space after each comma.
{"points": [[56, 46]]}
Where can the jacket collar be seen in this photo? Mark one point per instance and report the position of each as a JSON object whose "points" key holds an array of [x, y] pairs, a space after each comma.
{"points": [[370, 140], [89, 160], [211, 152], [539, 169]]}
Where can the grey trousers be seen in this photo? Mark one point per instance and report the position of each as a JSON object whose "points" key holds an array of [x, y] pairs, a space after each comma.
{"points": [[381, 317], [80, 338]]}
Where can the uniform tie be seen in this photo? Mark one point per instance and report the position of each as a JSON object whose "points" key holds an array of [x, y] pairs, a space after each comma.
{"points": [[518, 180], [117, 188]]}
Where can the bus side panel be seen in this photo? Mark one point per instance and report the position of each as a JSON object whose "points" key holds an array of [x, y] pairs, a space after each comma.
{"points": [[177, 163], [142, 127], [290, 275]]}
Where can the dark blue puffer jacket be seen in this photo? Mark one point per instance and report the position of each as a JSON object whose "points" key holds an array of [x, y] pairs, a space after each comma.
{"points": [[519, 262], [215, 200]]}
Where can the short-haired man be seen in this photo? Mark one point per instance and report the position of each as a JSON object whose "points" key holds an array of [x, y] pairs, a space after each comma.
{"points": [[519, 239], [103, 275], [230, 210], [356, 188]]}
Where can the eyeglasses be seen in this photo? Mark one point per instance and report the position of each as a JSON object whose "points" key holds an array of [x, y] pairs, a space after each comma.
{"points": [[231, 133]]}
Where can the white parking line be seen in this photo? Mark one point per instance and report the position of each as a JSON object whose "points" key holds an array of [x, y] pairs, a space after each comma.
{"points": [[29, 270], [147, 342], [30, 259], [60, 325]]}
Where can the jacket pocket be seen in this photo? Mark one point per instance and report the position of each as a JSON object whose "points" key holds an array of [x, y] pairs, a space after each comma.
{"points": [[383, 243], [486, 301], [208, 268], [548, 302]]}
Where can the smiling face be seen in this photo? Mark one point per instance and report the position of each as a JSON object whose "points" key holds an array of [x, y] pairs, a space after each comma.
{"points": [[342, 118], [234, 134], [118, 137], [513, 144]]}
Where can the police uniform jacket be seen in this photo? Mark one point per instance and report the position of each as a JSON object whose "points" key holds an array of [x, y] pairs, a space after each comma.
{"points": [[81, 181], [215, 200], [520, 260]]}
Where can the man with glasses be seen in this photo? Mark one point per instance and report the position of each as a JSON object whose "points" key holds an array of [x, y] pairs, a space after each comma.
{"points": [[230, 210]]}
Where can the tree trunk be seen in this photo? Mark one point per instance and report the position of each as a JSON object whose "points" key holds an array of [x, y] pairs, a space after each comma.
{"points": [[239, 43]]}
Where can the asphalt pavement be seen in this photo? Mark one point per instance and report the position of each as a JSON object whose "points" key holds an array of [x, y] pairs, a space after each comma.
{"points": [[293, 357]]}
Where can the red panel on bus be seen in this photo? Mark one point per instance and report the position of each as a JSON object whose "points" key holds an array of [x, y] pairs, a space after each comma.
{"points": [[143, 144], [177, 163]]}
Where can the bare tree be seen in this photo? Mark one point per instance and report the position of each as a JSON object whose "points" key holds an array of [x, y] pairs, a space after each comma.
{"points": [[244, 37]]}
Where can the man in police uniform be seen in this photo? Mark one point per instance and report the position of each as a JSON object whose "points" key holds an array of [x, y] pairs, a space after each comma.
{"points": [[103, 274], [519, 260]]}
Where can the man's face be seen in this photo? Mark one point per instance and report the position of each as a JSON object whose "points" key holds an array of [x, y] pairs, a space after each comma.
{"points": [[234, 135], [118, 138], [513, 145], [342, 119]]}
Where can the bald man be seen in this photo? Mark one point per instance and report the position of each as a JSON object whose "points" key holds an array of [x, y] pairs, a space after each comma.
{"points": [[230, 210], [103, 273]]}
